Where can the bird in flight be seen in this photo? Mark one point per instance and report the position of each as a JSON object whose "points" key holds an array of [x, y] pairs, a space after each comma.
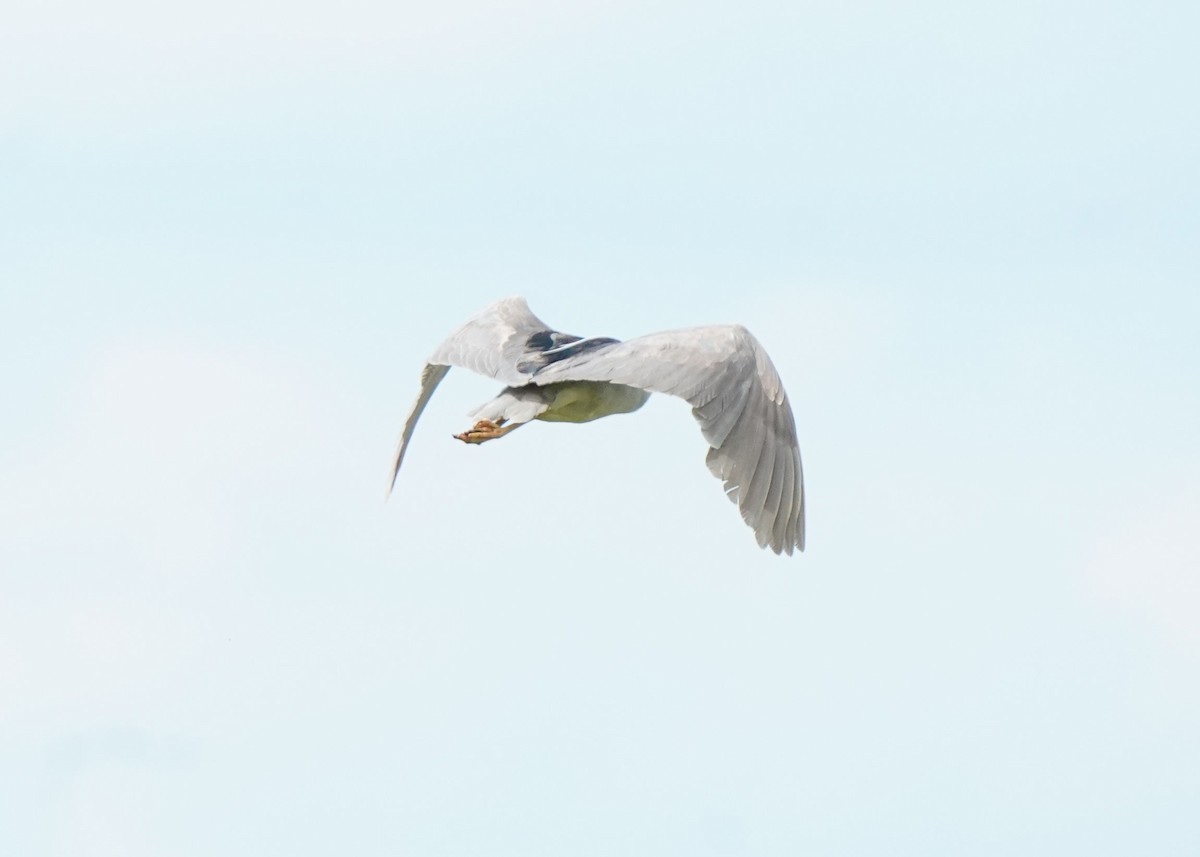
{"points": [[720, 370]]}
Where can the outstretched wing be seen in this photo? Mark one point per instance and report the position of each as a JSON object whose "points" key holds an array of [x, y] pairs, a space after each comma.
{"points": [[739, 401], [492, 343]]}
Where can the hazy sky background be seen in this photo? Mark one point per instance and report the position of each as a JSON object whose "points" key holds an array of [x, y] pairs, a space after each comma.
{"points": [[230, 234]]}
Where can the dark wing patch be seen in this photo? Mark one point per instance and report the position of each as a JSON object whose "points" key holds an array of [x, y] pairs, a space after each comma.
{"points": [[544, 340], [547, 347]]}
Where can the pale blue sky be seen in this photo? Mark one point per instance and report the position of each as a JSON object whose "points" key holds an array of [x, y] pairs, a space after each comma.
{"points": [[229, 235]]}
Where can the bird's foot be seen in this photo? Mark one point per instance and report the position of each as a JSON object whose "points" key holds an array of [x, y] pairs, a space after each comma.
{"points": [[485, 430]]}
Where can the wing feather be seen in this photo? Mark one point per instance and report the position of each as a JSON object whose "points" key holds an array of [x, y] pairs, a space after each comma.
{"points": [[758, 485], [772, 503], [787, 503], [431, 376]]}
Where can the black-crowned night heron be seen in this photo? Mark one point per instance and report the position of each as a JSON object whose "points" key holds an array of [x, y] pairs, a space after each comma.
{"points": [[721, 371]]}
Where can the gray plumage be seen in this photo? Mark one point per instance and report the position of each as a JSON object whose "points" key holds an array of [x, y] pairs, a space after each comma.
{"points": [[721, 371]]}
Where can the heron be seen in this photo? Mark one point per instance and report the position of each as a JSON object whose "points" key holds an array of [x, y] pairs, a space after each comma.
{"points": [[720, 370]]}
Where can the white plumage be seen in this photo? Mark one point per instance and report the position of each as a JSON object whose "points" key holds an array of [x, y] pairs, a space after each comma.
{"points": [[721, 371]]}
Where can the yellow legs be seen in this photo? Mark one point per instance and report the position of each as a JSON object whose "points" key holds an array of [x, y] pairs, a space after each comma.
{"points": [[486, 430]]}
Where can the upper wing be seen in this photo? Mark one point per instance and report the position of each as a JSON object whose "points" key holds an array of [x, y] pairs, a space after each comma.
{"points": [[739, 401], [492, 343]]}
